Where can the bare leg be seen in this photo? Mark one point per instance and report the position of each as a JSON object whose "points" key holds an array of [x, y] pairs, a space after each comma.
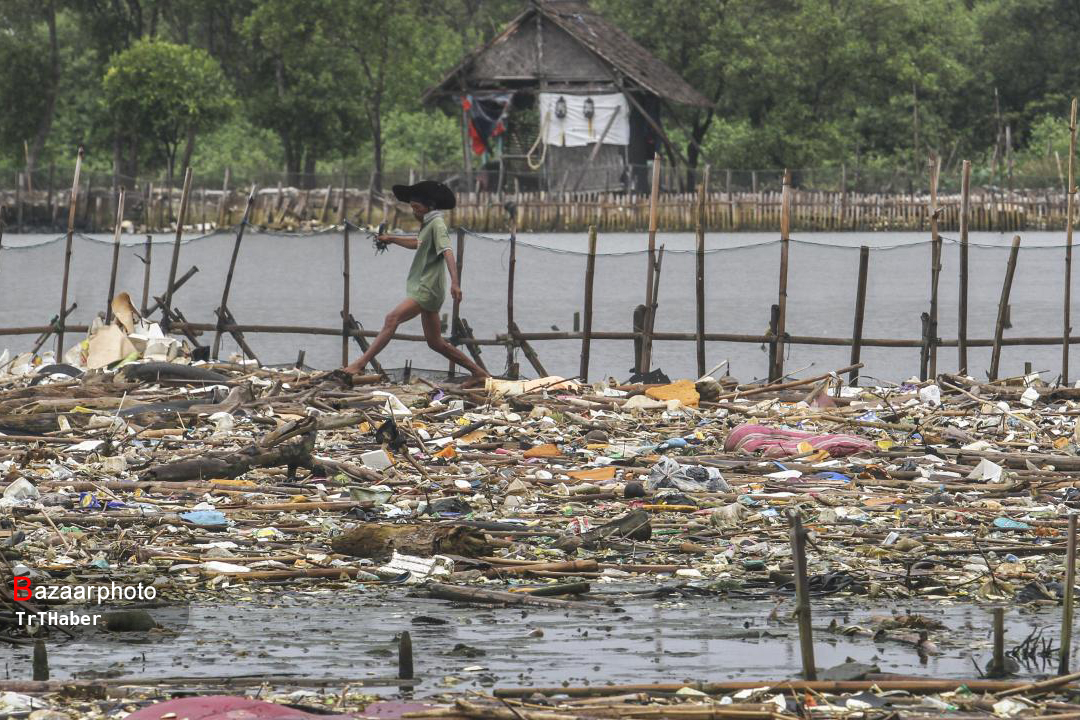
{"points": [[438, 343], [406, 310]]}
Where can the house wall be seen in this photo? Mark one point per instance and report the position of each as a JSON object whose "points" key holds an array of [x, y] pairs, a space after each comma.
{"points": [[564, 59]]}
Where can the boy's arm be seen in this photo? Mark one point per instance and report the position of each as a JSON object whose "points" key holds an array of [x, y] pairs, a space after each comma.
{"points": [[451, 267], [410, 242]]}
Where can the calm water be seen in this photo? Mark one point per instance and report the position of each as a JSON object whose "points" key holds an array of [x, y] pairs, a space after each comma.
{"points": [[352, 634], [298, 280]]}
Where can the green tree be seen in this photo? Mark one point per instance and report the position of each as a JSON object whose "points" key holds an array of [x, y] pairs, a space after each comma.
{"points": [[168, 93], [31, 79], [303, 87]]}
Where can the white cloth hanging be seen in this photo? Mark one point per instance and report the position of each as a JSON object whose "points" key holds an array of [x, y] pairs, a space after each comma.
{"points": [[576, 130]]}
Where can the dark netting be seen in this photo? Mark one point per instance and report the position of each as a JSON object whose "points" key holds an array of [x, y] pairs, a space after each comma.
{"points": [[292, 279]]}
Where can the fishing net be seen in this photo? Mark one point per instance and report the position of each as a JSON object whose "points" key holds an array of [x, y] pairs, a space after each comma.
{"points": [[296, 279]]}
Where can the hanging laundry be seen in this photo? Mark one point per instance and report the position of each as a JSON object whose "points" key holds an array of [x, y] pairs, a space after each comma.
{"points": [[577, 120], [487, 118]]}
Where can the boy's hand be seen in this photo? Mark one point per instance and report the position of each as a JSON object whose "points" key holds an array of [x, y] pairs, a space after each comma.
{"points": [[455, 292]]}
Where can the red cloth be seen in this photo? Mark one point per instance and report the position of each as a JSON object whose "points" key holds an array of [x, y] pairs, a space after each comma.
{"points": [[225, 707], [779, 442]]}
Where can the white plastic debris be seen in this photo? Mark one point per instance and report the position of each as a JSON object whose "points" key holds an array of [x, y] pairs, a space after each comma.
{"points": [[419, 569]]}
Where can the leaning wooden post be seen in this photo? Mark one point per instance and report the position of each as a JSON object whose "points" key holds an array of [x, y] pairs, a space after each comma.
{"points": [[1070, 209], [166, 311], [935, 264], [699, 275], [962, 307], [586, 330], [777, 371], [455, 317], [345, 294], [1067, 613], [148, 250], [802, 595], [644, 360], [1003, 307], [223, 308], [860, 313], [512, 266], [61, 318], [115, 255]]}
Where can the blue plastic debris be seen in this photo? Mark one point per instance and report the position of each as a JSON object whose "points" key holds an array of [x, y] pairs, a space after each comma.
{"points": [[205, 518], [674, 442], [1005, 523]]}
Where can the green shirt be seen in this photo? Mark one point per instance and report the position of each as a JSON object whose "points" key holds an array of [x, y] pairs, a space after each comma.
{"points": [[427, 280]]}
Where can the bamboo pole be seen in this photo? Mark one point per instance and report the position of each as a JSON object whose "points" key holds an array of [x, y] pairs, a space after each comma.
{"points": [[1070, 209], [229, 275], [223, 204], [455, 317], [346, 264], [115, 255], [148, 250], [586, 334], [1003, 307], [512, 266], [654, 196], [166, 314], [777, 371], [997, 662], [860, 312], [962, 308], [72, 203], [935, 264], [700, 274], [1067, 613], [802, 595]]}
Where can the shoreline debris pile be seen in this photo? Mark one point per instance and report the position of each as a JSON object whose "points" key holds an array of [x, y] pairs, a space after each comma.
{"points": [[209, 478]]}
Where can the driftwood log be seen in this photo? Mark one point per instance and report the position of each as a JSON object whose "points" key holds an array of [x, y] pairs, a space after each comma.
{"points": [[379, 541], [154, 372], [289, 445]]}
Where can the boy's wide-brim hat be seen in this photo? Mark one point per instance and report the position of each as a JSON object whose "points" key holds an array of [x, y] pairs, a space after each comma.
{"points": [[429, 192]]}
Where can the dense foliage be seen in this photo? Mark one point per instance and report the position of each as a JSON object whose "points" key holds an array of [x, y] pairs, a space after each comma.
{"points": [[331, 86]]}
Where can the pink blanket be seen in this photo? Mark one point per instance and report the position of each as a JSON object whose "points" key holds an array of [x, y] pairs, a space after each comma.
{"points": [[780, 442]]}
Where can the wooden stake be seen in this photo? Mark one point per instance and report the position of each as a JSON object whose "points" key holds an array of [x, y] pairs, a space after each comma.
{"points": [[115, 255], [777, 371], [802, 595], [1070, 209], [860, 312], [586, 332], [184, 197], [510, 292], [229, 275], [405, 656], [72, 203], [1003, 307], [345, 294], [455, 316], [41, 660], [643, 365], [147, 251], [650, 314], [1067, 612], [700, 274], [997, 663], [962, 308], [18, 204], [935, 264]]}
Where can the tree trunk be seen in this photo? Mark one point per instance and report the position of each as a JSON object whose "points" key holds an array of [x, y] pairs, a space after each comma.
{"points": [[293, 158], [45, 125], [377, 147], [309, 168], [189, 148]]}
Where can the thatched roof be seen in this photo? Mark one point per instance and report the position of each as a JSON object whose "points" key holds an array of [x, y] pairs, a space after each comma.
{"points": [[588, 48]]}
